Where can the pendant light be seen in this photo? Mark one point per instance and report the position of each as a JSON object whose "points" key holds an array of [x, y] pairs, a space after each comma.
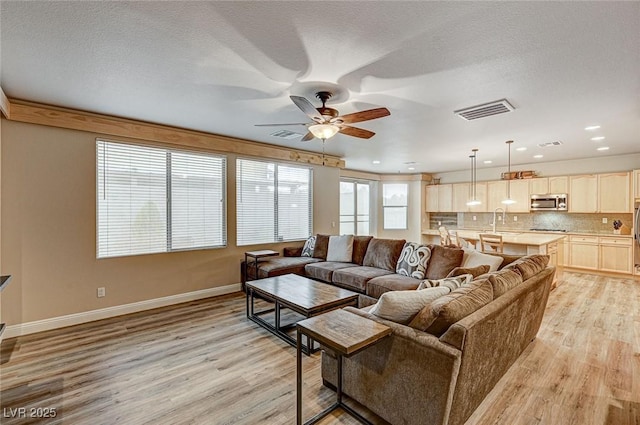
{"points": [[509, 200], [472, 186]]}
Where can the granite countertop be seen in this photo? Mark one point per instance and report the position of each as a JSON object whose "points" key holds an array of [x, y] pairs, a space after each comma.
{"points": [[506, 232]]}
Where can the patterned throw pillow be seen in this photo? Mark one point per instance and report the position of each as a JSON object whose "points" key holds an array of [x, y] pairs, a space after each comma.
{"points": [[413, 260], [402, 306], [450, 282], [307, 249]]}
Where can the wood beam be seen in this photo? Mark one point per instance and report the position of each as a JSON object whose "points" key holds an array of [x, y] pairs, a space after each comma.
{"points": [[34, 113], [5, 105]]}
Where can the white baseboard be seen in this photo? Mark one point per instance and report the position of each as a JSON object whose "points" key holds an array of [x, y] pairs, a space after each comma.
{"points": [[105, 313]]}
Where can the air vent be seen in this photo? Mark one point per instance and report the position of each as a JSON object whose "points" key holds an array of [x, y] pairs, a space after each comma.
{"points": [[485, 110], [286, 134], [549, 144]]}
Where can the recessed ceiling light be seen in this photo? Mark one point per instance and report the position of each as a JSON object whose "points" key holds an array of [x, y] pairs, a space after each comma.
{"points": [[603, 148], [592, 127], [595, 139], [375, 162], [521, 148], [412, 168], [538, 156], [488, 161]]}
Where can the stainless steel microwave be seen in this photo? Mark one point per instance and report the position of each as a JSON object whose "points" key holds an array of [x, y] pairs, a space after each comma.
{"points": [[549, 202]]}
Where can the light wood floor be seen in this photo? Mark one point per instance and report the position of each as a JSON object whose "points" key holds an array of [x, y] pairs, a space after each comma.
{"points": [[205, 363]]}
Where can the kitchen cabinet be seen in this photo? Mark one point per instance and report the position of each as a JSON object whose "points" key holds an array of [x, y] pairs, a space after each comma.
{"points": [[481, 195], [519, 193], [445, 198], [558, 184], [616, 255], [496, 192], [614, 193], [636, 184], [461, 195], [539, 186], [584, 252], [583, 192], [431, 198]]}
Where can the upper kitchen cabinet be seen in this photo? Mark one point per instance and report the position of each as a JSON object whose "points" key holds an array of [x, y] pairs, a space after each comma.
{"points": [[481, 195], [559, 184], [445, 198], [431, 198], [461, 195], [583, 194], [614, 192], [519, 193], [539, 186], [496, 192], [636, 184]]}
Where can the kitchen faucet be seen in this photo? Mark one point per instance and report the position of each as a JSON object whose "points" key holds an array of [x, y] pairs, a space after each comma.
{"points": [[493, 228]]}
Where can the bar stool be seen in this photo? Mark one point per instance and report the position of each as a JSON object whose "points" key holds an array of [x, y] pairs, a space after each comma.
{"points": [[490, 243]]}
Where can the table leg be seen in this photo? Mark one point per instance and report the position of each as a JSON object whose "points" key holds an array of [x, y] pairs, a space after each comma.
{"points": [[298, 378]]}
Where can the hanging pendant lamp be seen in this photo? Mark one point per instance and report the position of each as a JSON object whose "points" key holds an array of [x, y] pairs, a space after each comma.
{"points": [[509, 200], [472, 185]]}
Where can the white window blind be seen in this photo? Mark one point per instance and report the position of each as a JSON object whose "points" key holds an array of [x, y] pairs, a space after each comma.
{"points": [[394, 205], [153, 200], [273, 202], [354, 208]]}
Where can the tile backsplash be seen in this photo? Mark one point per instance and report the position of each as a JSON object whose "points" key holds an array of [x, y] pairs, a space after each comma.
{"points": [[571, 222]]}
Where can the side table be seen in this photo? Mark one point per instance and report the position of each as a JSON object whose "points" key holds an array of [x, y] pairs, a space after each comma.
{"points": [[256, 255], [346, 334]]}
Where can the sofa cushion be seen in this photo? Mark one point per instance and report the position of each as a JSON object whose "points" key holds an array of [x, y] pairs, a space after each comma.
{"points": [[383, 253], [356, 278], [504, 280], [473, 258], [436, 317], [391, 282], [473, 271], [530, 265], [360, 245], [443, 260], [323, 270], [340, 248], [321, 247], [279, 266], [451, 282], [309, 245], [402, 306], [413, 260]]}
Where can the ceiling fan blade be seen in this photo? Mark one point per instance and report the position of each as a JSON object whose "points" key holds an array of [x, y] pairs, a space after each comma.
{"points": [[356, 132], [369, 114], [276, 125], [306, 107], [307, 137]]}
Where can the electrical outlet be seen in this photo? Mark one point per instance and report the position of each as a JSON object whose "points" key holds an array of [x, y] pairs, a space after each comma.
{"points": [[101, 292], [499, 218], [515, 218], [333, 224], [604, 220], [439, 223], [475, 218]]}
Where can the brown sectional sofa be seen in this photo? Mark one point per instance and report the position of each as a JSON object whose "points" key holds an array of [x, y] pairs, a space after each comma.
{"points": [[416, 377]]}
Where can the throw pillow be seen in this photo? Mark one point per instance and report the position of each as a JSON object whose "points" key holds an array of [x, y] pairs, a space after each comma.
{"points": [[450, 282], [340, 248], [504, 280], [309, 245], [439, 315], [473, 258], [360, 244], [320, 249], [474, 271], [443, 260], [529, 266], [383, 253], [413, 260], [402, 306]]}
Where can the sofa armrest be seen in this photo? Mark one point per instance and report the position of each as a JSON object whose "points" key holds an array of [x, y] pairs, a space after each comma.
{"points": [[292, 251]]}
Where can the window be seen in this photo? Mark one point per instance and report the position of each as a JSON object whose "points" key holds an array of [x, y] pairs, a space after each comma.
{"points": [[273, 202], [394, 205], [158, 200], [354, 208]]}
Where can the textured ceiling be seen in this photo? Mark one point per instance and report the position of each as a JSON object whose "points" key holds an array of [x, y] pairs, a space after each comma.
{"points": [[222, 67]]}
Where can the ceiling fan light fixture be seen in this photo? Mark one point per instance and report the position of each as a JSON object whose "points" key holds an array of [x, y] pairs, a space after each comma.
{"points": [[324, 131]]}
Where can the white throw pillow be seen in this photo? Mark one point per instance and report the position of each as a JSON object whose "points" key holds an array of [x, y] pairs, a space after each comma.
{"points": [[402, 306], [450, 282], [340, 248], [473, 258]]}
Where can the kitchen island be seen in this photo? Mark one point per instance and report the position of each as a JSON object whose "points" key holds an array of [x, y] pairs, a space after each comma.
{"points": [[518, 243]]}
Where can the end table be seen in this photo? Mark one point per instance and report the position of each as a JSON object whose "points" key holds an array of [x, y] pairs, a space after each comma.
{"points": [[256, 255], [346, 334]]}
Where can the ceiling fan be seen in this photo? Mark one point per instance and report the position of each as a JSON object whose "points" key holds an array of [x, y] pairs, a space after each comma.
{"points": [[327, 121]]}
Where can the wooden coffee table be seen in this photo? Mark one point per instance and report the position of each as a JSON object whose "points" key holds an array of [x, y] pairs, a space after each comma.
{"points": [[346, 334], [306, 297]]}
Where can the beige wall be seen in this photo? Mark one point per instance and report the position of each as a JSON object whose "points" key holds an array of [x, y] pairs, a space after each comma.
{"points": [[48, 239]]}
